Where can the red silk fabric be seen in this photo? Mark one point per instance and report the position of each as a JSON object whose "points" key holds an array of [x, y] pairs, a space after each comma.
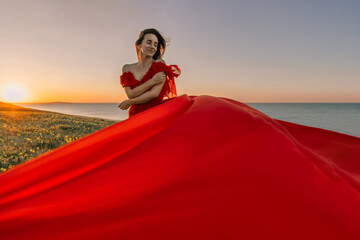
{"points": [[168, 90], [194, 167]]}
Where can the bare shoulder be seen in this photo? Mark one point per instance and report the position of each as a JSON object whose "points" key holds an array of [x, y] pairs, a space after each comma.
{"points": [[127, 67], [160, 60]]}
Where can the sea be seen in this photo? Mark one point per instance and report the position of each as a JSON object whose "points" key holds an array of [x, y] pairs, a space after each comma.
{"points": [[338, 117]]}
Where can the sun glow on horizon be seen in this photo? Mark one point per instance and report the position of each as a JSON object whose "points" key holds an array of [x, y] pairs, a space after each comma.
{"points": [[13, 92]]}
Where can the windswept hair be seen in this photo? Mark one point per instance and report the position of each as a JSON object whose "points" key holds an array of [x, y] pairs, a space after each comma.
{"points": [[160, 47]]}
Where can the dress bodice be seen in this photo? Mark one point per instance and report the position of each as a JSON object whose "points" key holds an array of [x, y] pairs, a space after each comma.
{"points": [[168, 90]]}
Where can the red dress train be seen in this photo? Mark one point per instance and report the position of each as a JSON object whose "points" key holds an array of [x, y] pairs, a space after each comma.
{"points": [[193, 167]]}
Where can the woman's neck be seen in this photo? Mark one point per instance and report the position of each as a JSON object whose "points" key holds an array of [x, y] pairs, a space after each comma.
{"points": [[145, 61]]}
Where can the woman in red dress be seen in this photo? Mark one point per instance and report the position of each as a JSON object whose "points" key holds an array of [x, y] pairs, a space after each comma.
{"points": [[195, 167], [150, 81]]}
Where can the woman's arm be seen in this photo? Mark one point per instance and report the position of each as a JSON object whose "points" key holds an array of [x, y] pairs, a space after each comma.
{"points": [[137, 91], [143, 98], [148, 96]]}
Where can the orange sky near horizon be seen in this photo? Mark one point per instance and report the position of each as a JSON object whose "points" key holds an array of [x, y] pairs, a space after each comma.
{"points": [[249, 51], [109, 92]]}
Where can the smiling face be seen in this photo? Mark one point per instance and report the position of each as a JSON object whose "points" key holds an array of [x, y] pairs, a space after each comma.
{"points": [[149, 45]]}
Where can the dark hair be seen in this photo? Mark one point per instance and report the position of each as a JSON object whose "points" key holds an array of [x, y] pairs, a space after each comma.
{"points": [[160, 47]]}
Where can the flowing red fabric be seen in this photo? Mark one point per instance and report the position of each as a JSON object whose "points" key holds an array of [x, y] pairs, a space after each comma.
{"points": [[168, 90], [194, 167]]}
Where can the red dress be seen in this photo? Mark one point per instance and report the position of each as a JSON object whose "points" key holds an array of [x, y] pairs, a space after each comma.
{"points": [[167, 92], [195, 167]]}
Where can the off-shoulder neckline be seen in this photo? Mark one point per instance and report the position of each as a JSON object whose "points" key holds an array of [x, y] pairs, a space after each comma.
{"points": [[147, 72]]}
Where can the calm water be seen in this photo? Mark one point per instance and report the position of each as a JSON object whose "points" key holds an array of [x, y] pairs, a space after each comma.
{"points": [[339, 117]]}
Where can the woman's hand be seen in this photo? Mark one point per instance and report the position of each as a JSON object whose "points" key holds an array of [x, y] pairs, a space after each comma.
{"points": [[125, 104], [159, 77], [174, 69]]}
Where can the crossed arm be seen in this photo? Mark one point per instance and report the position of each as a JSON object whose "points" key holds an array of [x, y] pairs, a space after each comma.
{"points": [[140, 94], [137, 91], [143, 98], [147, 96]]}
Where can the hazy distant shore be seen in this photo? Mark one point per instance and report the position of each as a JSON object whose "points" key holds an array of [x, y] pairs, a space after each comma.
{"points": [[108, 111]]}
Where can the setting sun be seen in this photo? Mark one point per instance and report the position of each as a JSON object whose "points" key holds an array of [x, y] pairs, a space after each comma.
{"points": [[13, 92]]}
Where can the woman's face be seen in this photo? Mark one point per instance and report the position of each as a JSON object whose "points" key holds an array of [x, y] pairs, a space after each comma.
{"points": [[149, 45]]}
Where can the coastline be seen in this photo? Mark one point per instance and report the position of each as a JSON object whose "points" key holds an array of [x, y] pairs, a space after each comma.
{"points": [[26, 133], [107, 111]]}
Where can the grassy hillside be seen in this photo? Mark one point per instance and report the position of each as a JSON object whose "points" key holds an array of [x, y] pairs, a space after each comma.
{"points": [[26, 133]]}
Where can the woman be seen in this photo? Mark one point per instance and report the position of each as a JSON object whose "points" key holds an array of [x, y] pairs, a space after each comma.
{"points": [[198, 167], [150, 81]]}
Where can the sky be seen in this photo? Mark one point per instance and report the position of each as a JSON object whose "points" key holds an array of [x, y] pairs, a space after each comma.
{"points": [[251, 51]]}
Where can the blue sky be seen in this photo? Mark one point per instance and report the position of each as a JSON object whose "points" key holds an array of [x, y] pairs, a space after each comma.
{"points": [[251, 51]]}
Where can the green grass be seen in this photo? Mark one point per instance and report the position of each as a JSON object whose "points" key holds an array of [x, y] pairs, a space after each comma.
{"points": [[26, 133]]}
